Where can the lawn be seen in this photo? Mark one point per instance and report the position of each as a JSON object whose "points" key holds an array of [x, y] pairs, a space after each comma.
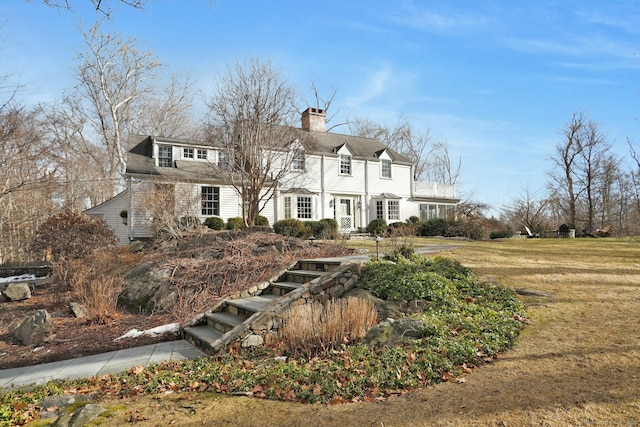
{"points": [[576, 363]]}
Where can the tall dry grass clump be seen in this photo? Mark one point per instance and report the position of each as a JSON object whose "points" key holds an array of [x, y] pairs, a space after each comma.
{"points": [[315, 327], [96, 282]]}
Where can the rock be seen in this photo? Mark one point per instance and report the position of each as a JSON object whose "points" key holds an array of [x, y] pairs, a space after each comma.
{"points": [[35, 329], [78, 310], [136, 246], [392, 333], [17, 291], [252, 341], [81, 417], [54, 406]]}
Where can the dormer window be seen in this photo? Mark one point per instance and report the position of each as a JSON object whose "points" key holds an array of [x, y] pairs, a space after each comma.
{"points": [[187, 153], [385, 168], [165, 156], [201, 154], [345, 165]]}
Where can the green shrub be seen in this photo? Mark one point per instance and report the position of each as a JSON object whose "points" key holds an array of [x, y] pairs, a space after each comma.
{"points": [[326, 228], [413, 220], [330, 228], [405, 280], [261, 221], [290, 227], [235, 223], [404, 251], [214, 223], [434, 227], [314, 228], [501, 234], [377, 226]]}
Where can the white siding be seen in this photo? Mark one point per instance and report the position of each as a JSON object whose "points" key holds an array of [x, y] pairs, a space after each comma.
{"points": [[140, 219], [344, 184], [399, 183], [109, 211]]}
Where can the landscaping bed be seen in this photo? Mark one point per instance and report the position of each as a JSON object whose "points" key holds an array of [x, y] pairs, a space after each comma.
{"points": [[455, 322]]}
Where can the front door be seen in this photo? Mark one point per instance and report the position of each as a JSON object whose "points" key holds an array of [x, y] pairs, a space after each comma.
{"points": [[345, 215]]}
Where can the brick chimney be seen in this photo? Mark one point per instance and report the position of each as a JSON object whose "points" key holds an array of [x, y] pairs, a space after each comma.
{"points": [[314, 119]]}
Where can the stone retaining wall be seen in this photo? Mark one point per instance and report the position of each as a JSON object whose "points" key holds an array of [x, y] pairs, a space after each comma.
{"points": [[262, 328]]}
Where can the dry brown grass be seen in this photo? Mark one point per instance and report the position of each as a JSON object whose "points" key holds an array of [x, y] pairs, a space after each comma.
{"points": [[316, 327], [576, 364], [95, 281]]}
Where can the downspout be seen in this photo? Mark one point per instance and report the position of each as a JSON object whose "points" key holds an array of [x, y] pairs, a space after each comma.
{"points": [[364, 210], [130, 208], [323, 201]]}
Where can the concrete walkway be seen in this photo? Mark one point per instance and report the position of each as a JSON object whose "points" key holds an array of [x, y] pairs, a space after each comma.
{"points": [[121, 360], [98, 364]]}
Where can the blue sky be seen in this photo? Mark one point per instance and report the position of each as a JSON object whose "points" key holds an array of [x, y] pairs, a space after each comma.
{"points": [[496, 80]]}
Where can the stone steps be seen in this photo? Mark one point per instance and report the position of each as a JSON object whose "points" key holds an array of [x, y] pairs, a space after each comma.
{"points": [[232, 314]]}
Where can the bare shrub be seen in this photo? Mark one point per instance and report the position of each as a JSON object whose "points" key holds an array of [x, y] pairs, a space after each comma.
{"points": [[210, 267], [315, 327], [95, 281], [72, 235]]}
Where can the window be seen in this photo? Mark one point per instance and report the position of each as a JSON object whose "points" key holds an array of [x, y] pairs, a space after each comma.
{"points": [[287, 207], [424, 212], [385, 168], [304, 207], [210, 201], [345, 165], [297, 163], [187, 153], [201, 154], [379, 209], [393, 210], [165, 156]]}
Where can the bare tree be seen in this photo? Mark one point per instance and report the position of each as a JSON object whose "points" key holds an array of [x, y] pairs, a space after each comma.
{"points": [[104, 6], [440, 167], [324, 104], [77, 165], [169, 112], [592, 158], [114, 78], [25, 180], [528, 210], [251, 116], [432, 160], [564, 159], [584, 172]]}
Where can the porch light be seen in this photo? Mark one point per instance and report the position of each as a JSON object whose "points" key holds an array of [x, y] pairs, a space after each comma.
{"points": [[378, 239]]}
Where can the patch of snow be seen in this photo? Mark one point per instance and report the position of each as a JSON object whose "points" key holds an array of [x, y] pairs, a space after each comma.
{"points": [[153, 332], [21, 278]]}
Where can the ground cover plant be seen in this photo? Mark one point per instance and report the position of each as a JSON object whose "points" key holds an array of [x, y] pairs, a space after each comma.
{"points": [[464, 323], [576, 363]]}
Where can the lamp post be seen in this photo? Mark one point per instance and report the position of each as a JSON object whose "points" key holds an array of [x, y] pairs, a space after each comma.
{"points": [[378, 239]]}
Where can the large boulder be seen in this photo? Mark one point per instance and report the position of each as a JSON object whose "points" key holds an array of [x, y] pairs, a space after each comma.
{"points": [[17, 291], [35, 329], [78, 310], [394, 332]]}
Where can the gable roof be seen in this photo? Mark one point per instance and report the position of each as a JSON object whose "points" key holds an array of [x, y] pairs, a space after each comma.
{"points": [[328, 142], [140, 160], [140, 154]]}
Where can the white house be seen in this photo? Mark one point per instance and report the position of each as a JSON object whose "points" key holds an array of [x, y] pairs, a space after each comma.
{"points": [[351, 179]]}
